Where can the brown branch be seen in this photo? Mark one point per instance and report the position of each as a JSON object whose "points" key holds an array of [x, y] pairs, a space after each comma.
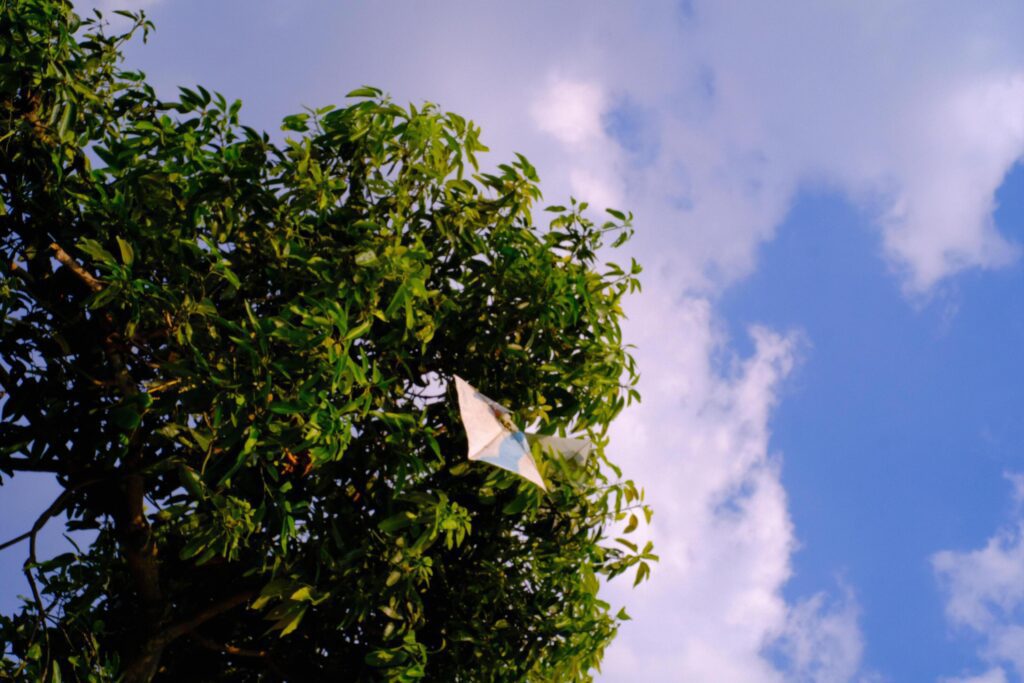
{"points": [[69, 262], [264, 656], [180, 628], [138, 546], [147, 662], [227, 648], [140, 553], [122, 378], [136, 540], [161, 386], [31, 116], [19, 272]]}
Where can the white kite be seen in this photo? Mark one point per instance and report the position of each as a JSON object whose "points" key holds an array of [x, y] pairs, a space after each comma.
{"points": [[495, 440]]}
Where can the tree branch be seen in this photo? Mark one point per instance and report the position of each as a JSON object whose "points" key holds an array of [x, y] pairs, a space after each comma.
{"points": [[135, 537], [19, 272], [180, 628], [70, 263], [147, 662], [227, 648], [264, 656]]}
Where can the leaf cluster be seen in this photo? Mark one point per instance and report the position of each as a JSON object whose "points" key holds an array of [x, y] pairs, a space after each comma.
{"points": [[232, 352]]}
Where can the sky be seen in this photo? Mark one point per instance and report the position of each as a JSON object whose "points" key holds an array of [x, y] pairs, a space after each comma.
{"points": [[829, 207]]}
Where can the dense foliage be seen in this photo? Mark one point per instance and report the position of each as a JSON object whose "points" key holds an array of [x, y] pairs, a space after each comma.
{"points": [[232, 354]]}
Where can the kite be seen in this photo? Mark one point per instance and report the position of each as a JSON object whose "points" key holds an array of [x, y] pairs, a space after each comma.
{"points": [[495, 440]]}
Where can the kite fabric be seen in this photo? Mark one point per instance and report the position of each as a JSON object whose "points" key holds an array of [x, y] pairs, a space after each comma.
{"points": [[495, 440], [573, 449]]}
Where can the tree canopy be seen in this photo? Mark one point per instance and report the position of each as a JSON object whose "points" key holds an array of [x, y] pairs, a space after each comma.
{"points": [[232, 351]]}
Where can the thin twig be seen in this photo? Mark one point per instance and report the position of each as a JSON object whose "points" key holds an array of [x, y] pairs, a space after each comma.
{"points": [[16, 539], [161, 386], [41, 619], [55, 507], [26, 465]]}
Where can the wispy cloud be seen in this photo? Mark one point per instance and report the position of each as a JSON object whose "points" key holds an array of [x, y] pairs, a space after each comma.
{"points": [[984, 593], [822, 640], [996, 675], [111, 5]]}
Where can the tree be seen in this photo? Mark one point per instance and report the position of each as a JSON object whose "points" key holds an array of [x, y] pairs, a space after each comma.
{"points": [[232, 354]]}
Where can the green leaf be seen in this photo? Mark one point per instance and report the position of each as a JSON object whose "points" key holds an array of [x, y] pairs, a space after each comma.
{"points": [[359, 330], [286, 407], [126, 416], [366, 257], [127, 253], [365, 91], [397, 301], [629, 544], [396, 522], [295, 122], [516, 505], [191, 481], [291, 621], [95, 250], [304, 594]]}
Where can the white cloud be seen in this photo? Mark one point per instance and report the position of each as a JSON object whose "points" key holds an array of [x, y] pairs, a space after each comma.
{"points": [[822, 641], [914, 110], [995, 675], [940, 221], [984, 584], [984, 591], [713, 610], [570, 111]]}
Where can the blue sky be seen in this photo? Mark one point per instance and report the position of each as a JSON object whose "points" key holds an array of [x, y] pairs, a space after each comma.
{"points": [[830, 207]]}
